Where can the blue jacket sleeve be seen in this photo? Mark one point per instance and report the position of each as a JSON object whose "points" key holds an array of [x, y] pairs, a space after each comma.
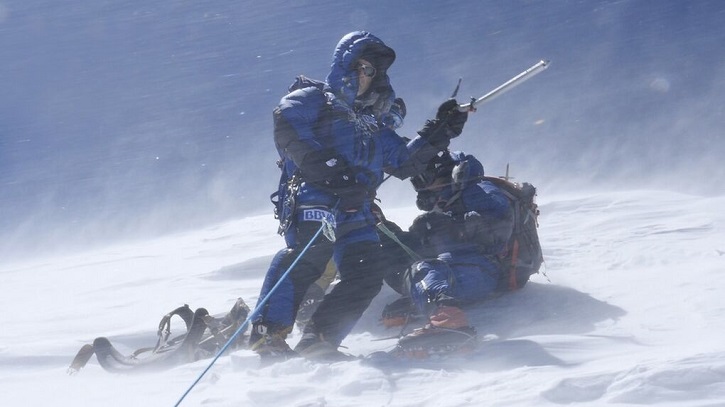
{"points": [[486, 198], [405, 159]]}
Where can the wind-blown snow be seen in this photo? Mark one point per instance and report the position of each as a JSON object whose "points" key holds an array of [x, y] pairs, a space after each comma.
{"points": [[631, 314], [125, 120]]}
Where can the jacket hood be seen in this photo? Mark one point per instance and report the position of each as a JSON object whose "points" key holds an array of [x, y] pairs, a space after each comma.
{"points": [[343, 77], [466, 171]]}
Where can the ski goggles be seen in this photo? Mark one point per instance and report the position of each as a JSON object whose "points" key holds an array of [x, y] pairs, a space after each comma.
{"points": [[367, 70]]}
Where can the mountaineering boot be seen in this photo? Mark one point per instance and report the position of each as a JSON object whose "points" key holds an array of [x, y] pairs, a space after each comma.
{"points": [[313, 347], [270, 344], [447, 333], [399, 313]]}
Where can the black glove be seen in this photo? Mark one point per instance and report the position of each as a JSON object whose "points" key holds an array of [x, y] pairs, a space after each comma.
{"points": [[448, 112], [448, 124], [433, 224], [327, 169], [426, 200]]}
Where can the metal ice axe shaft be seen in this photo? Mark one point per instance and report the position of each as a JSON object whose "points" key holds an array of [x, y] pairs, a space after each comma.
{"points": [[506, 86]]}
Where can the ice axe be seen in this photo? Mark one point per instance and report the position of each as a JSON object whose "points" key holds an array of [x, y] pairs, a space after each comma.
{"points": [[503, 88]]}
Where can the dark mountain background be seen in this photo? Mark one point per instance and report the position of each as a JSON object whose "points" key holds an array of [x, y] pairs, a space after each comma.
{"points": [[119, 120]]}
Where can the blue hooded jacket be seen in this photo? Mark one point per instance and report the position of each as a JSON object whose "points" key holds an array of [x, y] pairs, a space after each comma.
{"points": [[463, 269], [331, 117]]}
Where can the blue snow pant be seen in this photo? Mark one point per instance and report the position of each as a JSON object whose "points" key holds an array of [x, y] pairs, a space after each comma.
{"points": [[356, 253], [451, 280]]}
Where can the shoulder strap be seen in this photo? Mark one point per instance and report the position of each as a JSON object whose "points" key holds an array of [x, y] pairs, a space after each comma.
{"points": [[164, 331]]}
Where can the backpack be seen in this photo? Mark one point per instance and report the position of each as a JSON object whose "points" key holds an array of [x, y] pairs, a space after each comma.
{"points": [[284, 198], [205, 336], [523, 255]]}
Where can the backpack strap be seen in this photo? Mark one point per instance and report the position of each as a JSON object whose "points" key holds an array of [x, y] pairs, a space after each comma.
{"points": [[164, 331], [223, 328], [81, 359]]}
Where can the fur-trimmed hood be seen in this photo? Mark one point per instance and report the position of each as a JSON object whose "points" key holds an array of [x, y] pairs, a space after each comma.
{"points": [[343, 77]]}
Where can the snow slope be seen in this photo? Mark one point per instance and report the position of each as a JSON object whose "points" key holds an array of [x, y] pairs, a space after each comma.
{"points": [[630, 314]]}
